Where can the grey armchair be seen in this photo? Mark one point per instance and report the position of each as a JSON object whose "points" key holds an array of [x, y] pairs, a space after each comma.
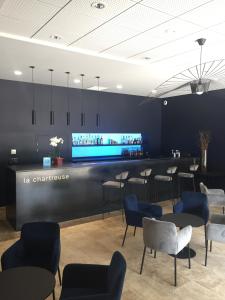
{"points": [[164, 237], [215, 197], [215, 231]]}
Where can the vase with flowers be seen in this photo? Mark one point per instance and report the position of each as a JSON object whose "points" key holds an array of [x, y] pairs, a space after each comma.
{"points": [[204, 137], [56, 143]]}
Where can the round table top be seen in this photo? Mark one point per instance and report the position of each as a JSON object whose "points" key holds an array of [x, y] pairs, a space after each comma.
{"points": [[183, 219], [26, 283]]}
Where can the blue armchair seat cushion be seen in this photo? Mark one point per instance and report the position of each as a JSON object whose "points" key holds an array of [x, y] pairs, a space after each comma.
{"points": [[69, 293]]}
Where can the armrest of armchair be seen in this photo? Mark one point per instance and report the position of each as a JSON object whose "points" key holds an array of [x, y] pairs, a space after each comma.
{"points": [[216, 232], [205, 212], [178, 207], [84, 276], [183, 237]]}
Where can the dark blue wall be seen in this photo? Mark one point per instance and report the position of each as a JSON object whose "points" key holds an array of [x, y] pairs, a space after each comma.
{"points": [[119, 113], [185, 116]]}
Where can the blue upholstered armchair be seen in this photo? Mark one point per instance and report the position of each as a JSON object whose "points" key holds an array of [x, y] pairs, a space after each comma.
{"points": [[193, 203], [39, 245], [94, 282], [135, 211]]}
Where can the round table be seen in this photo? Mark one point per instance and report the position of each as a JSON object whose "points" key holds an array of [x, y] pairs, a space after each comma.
{"points": [[26, 283], [182, 220]]}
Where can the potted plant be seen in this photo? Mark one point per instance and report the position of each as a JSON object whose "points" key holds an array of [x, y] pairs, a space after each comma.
{"points": [[204, 137], [56, 143]]}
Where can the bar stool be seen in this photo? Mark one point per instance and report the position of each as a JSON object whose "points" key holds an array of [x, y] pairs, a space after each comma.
{"points": [[119, 184], [143, 180], [187, 176], [169, 178]]}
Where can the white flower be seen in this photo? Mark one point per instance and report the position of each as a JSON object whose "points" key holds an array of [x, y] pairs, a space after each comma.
{"points": [[54, 141]]}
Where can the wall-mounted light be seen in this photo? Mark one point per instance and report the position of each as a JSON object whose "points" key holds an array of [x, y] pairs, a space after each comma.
{"points": [[52, 121], [98, 105], [68, 100], [33, 112], [82, 101]]}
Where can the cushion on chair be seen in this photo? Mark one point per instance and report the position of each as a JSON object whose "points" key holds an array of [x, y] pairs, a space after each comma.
{"points": [[216, 232], [194, 167], [122, 176], [137, 180], [185, 175], [171, 170], [163, 178], [146, 172], [113, 184]]}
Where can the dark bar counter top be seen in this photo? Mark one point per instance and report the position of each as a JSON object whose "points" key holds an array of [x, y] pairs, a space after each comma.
{"points": [[74, 190]]}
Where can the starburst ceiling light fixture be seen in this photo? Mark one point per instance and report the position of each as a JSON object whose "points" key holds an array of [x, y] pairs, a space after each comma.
{"points": [[197, 79]]}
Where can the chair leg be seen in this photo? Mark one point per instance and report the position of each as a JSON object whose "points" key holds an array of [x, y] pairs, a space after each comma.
{"points": [[135, 230], [206, 253], [121, 201], [189, 257], [175, 270], [205, 234], [53, 294], [59, 275], [124, 237], [210, 246], [154, 253], [142, 261], [194, 188], [223, 210]]}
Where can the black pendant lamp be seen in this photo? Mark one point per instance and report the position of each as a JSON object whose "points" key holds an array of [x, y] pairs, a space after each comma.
{"points": [[98, 105], [68, 100], [51, 101], [82, 101], [33, 112]]}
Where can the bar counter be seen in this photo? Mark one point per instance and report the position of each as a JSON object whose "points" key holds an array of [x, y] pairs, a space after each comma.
{"points": [[36, 193]]}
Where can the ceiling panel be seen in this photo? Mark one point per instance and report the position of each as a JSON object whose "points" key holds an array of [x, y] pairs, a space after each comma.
{"points": [[213, 49], [78, 18], [23, 17], [58, 3], [174, 7], [170, 31], [210, 14]]}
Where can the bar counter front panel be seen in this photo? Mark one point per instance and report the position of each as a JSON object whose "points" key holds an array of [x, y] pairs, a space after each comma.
{"points": [[73, 190]]}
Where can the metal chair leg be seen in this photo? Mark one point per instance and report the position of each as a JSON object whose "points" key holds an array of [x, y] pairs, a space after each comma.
{"points": [[223, 210], [206, 253], [142, 261], [53, 294], [175, 270], [194, 188], [210, 246], [154, 253], [135, 230], [124, 237], [189, 257], [59, 275], [205, 234]]}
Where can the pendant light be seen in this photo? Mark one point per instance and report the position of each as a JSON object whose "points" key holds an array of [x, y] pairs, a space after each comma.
{"points": [[51, 104], [82, 101], [68, 100], [98, 105], [33, 113]]}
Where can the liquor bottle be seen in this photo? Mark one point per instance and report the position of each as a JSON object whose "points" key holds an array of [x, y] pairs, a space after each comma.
{"points": [[101, 141]]}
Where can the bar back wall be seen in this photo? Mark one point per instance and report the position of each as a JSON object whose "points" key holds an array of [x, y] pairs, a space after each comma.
{"points": [[185, 116], [118, 112]]}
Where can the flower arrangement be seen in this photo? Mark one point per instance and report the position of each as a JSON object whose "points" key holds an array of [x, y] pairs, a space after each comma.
{"points": [[204, 137], [56, 143]]}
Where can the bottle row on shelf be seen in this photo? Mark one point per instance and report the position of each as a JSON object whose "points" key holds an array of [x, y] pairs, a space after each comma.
{"points": [[100, 140]]}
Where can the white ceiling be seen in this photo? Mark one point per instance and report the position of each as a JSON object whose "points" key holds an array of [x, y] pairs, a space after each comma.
{"points": [[112, 42]]}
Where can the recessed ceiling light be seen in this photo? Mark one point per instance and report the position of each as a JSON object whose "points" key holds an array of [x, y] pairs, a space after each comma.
{"points": [[76, 81], [154, 91], [147, 57], [119, 86], [18, 73], [55, 37], [98, 4], [97, 88]]}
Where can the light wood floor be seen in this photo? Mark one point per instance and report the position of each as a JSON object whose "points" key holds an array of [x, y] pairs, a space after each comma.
{"points": [[94, 242]]}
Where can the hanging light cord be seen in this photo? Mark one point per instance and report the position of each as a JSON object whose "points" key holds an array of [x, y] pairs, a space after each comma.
{"points": [[98, 104], [82, 88], [200, 64], [32, 76], [68, 100], [51, 91]]}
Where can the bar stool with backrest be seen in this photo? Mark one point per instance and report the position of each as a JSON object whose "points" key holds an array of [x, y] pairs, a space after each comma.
{"points": [[142, 180], [169, 178], [187, 176], [117, 184]]}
